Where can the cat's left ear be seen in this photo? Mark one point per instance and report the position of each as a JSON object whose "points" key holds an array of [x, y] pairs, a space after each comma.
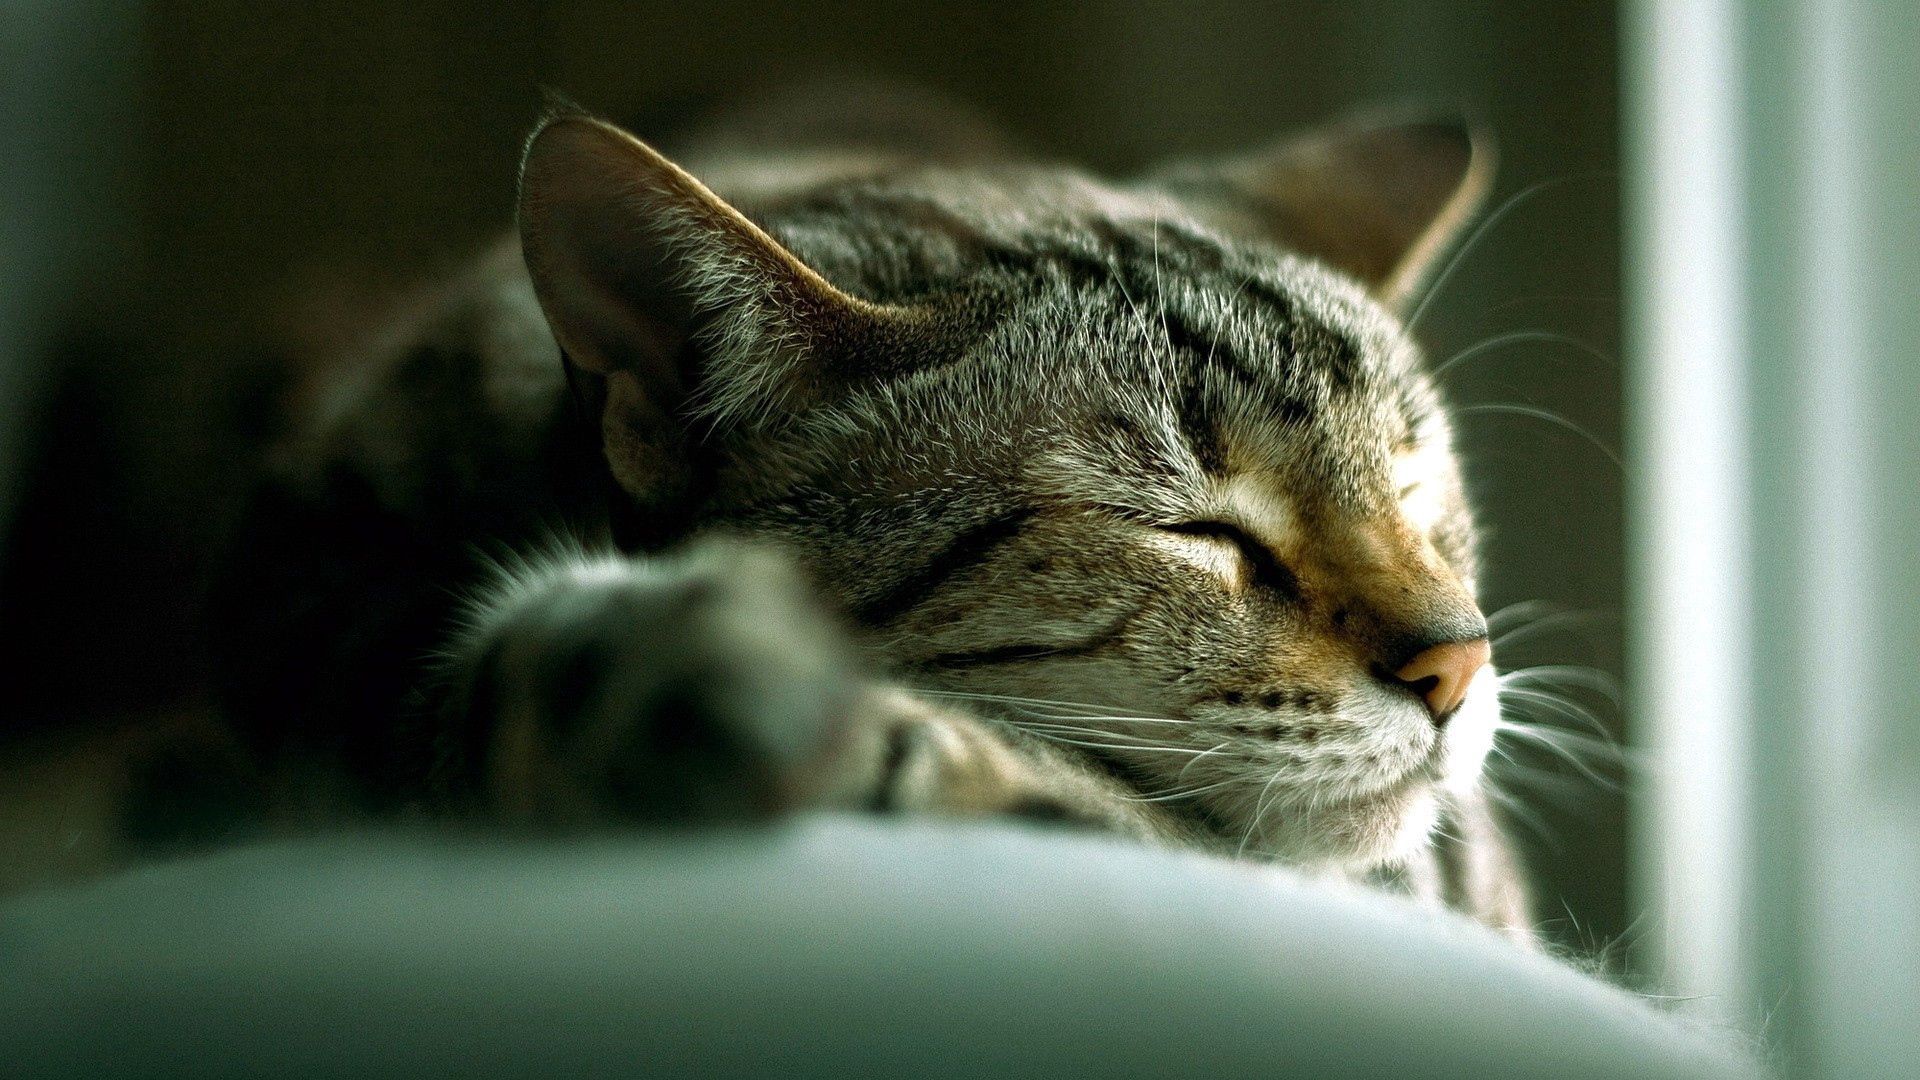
{"points": [[646, 274], [1379, 199], [679, 315]]}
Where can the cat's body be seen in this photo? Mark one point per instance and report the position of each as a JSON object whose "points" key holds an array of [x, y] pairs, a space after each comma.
{"points": [[1087, 500]]}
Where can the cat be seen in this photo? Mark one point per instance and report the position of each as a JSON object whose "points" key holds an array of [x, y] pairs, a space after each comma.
{"points": [[850, 459]]}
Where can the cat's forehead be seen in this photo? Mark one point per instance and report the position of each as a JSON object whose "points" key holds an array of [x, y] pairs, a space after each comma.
{"points": [[1261, 360], [1129, 353], [1268, 390], [1109, 272]]}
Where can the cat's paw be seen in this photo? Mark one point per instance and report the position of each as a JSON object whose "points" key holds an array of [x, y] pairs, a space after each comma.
{"points": [[700, 687], [907, 755]]}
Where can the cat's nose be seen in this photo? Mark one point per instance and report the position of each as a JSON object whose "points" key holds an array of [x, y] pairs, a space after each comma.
{"points": [[1441, 673]]}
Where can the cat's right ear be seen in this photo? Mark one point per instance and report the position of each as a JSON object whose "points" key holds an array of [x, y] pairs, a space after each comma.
{"points": [[1378, 198], [683, 311]]}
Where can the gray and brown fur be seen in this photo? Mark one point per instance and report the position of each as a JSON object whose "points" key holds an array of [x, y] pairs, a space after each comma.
{"points": [[924, 480]]}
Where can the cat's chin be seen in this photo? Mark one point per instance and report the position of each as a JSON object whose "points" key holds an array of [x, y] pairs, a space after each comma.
{"points": [[1384, 829]]}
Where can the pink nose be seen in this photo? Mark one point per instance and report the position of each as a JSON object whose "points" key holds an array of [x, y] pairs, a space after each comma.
{"points": [[1440, 674]]}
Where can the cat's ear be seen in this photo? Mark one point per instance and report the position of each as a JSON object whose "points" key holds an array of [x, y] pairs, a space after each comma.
{"points": [[640, 268], [680, 310], [1380, 199]]}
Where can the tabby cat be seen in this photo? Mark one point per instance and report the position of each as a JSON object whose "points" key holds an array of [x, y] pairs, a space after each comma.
{"points": [[877, 467]]}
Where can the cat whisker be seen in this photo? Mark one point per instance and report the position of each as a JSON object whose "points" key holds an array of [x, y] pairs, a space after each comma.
{"points": [[1546, 416], [1552, 621], [972, 695], [1545, 788], [1603, 750], [1062, 725], [1589, 750], [1588, 678], [1518, 810], [1095, 745], [1556, 781], [1480, 232], [1213, 346], [1106, 718], [1255, 819], [1561, 705], [1184, 793], [1139, 318], [1518, 337], [1519, 609], [1181, 776], [1159, 293], [1554, 743], [1038, 706], [1056, 726]]}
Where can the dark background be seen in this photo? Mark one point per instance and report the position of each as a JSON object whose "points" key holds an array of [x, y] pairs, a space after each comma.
{"points": [[197, 175]]}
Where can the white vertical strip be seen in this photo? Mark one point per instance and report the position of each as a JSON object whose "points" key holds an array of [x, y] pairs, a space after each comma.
{"points": [[1776, 237], [1858, 998], [1690, 563], [1829, 462]]}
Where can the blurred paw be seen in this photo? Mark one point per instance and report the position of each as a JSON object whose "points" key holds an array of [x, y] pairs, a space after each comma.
{"points": [[704, 686]]}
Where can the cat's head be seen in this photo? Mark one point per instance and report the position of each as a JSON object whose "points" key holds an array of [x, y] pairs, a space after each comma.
{"points": [[1152, 466]]}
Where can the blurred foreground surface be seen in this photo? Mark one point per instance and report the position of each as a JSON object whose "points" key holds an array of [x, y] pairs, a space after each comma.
{"points": [[831, 947]]}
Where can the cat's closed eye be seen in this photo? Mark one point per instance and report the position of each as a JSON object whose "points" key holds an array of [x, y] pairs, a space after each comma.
{"points": [[1266, 567]]}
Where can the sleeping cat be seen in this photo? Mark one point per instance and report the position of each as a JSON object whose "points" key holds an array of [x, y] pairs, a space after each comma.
{"points": [[848, 460]]}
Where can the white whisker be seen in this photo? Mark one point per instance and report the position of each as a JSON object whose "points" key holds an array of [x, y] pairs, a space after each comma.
{"points": [[1588, 678], [1521, 609], [1561, 705], [1159, 293], [1185, 793], [968, 695], [1473, 241], [1029, 725], [1259, 812], [1546, 416], [1545, 623], [1518, 337], [1559, 749], [1524, 814], [1139, 318], [1181, 776], [1113, 746]]}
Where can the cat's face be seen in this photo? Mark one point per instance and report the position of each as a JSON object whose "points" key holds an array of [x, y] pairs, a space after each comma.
{"points": [[1182, 500], [1216, 528]]}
